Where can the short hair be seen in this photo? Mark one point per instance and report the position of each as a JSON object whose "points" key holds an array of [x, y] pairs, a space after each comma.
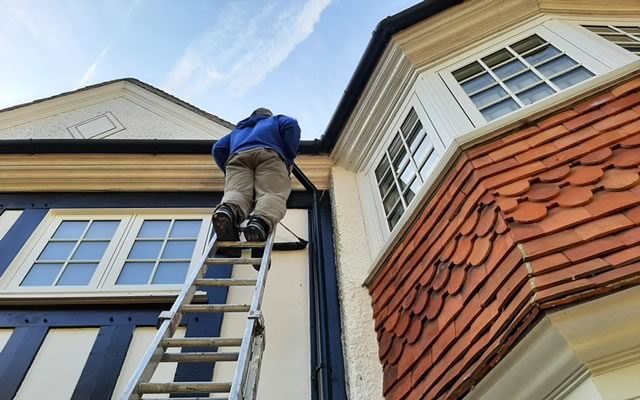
{"points": [[262, 111]]}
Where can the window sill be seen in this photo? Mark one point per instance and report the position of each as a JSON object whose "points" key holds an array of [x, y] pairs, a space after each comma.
{"points": [[487, 133]]}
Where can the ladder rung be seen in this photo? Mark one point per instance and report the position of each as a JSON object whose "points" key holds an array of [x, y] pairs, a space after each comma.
{"points": [[226, 282], [233, 261], [185, 387], [199, 357], [188, 398], [215, 308], [241, 245], [201, 342]]}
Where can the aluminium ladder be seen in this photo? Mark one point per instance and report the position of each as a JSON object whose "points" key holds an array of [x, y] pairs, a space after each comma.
{"points": [[245, 379]]}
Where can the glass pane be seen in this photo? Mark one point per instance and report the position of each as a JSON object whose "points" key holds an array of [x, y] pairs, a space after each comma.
{"points": [[598, 29], [618, 38], [527, 44], [185, 229], [409, 122], [154, 229], [572, 77], [382, 168], [77, 274], [634, 48], [395, 148], [509, 69], [57, 251], [535, 93], [467, 71], [487, 96], [90, 251], [395, 216], [70, 230], [401, 160], [555, 66], [102, 230], [386, 183], [179, 249], [500, 109], [411, 191], [390, 200], [146, 250], [478, 83], [542, 54], [416, 135], [428, 166], [171, 272], [408, 174], [498, 57], [522, 81], [135, 274], [425, 149], [41, 275], [634, 30]]}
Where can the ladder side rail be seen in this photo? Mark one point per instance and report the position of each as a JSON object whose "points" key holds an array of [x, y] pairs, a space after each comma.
{"points": [[239, 377], [170, 322]]}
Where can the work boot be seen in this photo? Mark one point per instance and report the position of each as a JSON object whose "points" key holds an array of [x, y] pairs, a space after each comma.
{"points": [[256, 230], [224, 223]]}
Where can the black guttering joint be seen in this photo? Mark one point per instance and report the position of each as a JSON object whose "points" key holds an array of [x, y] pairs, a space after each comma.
{"points": [[379, 40]]}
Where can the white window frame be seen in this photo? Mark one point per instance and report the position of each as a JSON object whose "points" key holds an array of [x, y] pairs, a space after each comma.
{"points": [[377, 220], [604, 42], [103, 281], [594, 65]]}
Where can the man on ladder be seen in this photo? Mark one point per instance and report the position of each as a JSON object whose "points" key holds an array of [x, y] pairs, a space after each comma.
{"points": [[256, 158]]}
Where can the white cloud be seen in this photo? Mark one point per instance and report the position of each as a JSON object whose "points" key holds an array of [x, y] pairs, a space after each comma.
{"points": [[244, 46]]}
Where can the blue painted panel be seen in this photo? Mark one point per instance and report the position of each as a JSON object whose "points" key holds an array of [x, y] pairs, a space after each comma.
{"points": [[17, 356], [18, 235]]}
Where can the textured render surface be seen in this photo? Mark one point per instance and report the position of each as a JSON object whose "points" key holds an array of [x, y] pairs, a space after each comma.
{"points": [[138, 122], [546, 216], [364, 372]]}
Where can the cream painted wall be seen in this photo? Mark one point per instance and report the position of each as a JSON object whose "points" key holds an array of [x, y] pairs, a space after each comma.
{"points": [[363, 368], [585, 391], [620, 384], [285, 370], [7, 219], [5, 334], [58, 364], [139, 344], [139, 123]]}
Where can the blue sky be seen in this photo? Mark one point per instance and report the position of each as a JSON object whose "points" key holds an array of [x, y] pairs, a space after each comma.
{"points": [[224, 56]]}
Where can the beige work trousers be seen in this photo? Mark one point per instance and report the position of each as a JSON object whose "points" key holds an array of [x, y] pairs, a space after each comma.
{"points": [[257, 180]]}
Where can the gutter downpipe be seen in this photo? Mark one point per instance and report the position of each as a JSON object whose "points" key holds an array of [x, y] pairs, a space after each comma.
{"points": [[321, 362]]}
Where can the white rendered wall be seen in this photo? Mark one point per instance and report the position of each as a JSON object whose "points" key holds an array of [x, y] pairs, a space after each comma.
{"points": [[286, 370], [360, 346], [7, 219], [5, 334], [585, 391], [138, 123]]}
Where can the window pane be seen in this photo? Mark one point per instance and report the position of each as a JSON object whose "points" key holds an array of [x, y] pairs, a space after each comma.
{"points": [[416, 135], [542, 54], [185, 229], [478, 83], [527, 44], [90, 251], [171, 272], [57, 251], [522, 81], [535, 93], [41, 275], [572, 77], [179, 249], [468, 71], [382, 168], [135, 274], [498, 57], [428, 166], [154, 229], [102, 230], [390, 200], [395, 147], [634, 30], [555, 66], [386, 183], [145, 250], [70, 230], [425, 149], [407, 175], [500, 109], [401, 160], [77, 274], [490, 95], [395, 216], [509, 69], [409, 122], [634, 48], [599, 29], [618, 38], [411, 191]]}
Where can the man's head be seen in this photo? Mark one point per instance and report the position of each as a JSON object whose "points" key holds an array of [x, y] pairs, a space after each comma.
{"points": [[262, 111]]}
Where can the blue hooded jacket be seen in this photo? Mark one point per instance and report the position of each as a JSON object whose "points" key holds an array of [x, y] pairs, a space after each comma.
{"points": [[278, 132]]}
